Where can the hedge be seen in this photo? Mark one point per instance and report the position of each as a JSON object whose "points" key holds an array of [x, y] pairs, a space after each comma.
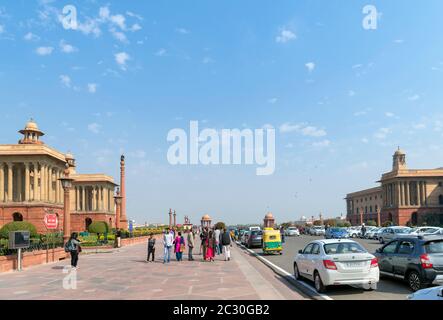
{"points": [[99, 227], [18, 226]]}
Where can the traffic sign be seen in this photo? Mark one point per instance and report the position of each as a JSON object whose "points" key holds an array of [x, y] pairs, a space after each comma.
{"points": [[51, 221]]}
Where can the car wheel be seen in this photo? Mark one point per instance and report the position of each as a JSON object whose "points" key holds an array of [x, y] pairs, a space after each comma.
{"points": [[296, 272], [415, 282], [319, 286]]}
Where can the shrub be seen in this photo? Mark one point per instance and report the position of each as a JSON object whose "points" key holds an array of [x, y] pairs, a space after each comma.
{"points": [[371, 223], [220, 226], [387, 224], [99, 227], [344, 224], [18, 226]]}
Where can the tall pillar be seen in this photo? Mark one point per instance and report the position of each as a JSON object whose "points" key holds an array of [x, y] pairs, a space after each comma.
{"points": [[378, 217], [56, 191], [27, 183], [175, 218], [10, 185], [2, 182], [42, 182], [19, 197], [83, 199], [408, 195], [398, 193], [77, 197], [36, 189], [94, 199], [419, 192], [100, 198], [124, 219], [51, 189], [426, 193], [170, 218]]}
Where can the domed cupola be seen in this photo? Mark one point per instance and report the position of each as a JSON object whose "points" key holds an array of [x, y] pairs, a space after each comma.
{"points": [[31, 134]]}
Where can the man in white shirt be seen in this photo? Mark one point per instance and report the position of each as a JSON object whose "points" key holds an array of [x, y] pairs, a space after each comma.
{"points": [[217, 241], [168, 241]]}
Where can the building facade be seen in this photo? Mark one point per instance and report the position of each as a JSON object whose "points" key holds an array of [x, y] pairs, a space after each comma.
{"points": [[30, 186], [409, 196], [364, 203]]}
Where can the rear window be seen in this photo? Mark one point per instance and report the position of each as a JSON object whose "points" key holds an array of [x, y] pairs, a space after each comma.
{"points": [[434, 247], [256, 233], [343, 248]]}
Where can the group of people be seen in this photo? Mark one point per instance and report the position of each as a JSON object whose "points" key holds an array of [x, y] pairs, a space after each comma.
{"points": [[213, 242]]}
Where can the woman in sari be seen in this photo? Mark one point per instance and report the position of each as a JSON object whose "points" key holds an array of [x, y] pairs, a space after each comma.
{"points": [[210, 247], [179, 247]]}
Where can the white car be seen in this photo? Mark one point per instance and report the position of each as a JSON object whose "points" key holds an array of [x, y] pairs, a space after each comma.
{"points": [[435, 294], [337, 262], [292, 232], [354, 232], [371, 234], [317, 231], [424, 230]]}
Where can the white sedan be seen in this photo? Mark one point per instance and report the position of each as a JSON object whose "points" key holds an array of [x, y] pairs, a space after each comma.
{"points": [[435, 293], [292, 232], [337, 262]]}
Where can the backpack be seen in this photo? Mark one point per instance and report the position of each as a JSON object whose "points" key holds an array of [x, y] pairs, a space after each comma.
{"points": [[69, 246], [226, 239]]}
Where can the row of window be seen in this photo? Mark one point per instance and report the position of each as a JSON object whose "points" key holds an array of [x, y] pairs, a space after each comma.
{"points": [[370, 199], [370, 209]]}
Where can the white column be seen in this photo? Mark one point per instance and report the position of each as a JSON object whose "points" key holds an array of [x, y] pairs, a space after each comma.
{"points": [[27, 182], [19, 184], [36, 196], [2, 182], [94, 199], [42, 182], [10, 185], [83, 198]]}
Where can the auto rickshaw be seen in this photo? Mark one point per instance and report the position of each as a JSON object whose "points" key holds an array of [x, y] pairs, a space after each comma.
{"points": [[272, 242]]}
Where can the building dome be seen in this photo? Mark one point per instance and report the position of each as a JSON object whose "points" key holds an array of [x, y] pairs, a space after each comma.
{"points": [[69, 156], [399, 152], [206, 217], [31, 133], [269, 216]]}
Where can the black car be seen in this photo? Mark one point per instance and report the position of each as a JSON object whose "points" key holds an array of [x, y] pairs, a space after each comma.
{"points": [[415, 259]]}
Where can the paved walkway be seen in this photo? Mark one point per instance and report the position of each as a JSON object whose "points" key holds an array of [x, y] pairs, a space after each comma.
{"points": [[124, 274]]}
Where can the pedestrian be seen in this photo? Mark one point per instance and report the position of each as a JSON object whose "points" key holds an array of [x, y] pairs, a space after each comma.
{"points": [[191, 243], [210, 247], [226, 240], [363, 230], [204, 237], [73, 247], [179, 248], [167, 243], [217, 233], [151, 248], [282, 234], [118, 238]]}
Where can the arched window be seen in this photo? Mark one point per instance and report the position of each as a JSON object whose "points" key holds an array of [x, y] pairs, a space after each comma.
{"points": [[440, 199], [17, 216], [88, 222]]}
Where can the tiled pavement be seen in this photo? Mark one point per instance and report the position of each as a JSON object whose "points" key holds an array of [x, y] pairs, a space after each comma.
{"points": [[124, 274]]}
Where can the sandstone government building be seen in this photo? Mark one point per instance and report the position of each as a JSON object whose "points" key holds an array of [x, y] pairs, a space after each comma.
{"points": [[405, 196], [29, 185]]}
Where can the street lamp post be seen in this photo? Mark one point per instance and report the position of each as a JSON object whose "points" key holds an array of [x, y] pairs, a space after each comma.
{"points": [[118, 202], [67, 185]]}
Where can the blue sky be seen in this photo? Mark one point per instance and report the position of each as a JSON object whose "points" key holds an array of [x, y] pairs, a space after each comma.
{"points": [[341, 98]]}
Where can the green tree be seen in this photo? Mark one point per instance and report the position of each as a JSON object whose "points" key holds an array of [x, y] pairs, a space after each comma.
{"points": [[220, 226], [331, 222], [317, 223], [387, 224], [18, 226], [99, 227]]}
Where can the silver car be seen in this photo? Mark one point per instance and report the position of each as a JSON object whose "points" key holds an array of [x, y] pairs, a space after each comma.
{"points": [[434, 294], [391, 233]]}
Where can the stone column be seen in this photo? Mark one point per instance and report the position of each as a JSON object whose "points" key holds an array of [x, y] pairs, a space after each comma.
{"points": [[408, 194], [402, 194], [56, 191], [94, 198], [83, 199], [10, 185], [27, 183], [42, 182], [36, 196], [426, 193], [420, 193], [51, 189], [105, 199], [100, 199], [77, 197], [19, 184], [2, 182]]}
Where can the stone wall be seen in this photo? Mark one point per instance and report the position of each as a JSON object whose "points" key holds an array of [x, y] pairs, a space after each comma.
{"points": [[9, 263]]}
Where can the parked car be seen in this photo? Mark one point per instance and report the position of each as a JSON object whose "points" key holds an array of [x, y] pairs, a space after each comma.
{"points": [[415, 259], [390, 233], [371, 234], [430, 294], [255, 239], [336, 233], [255, 228], [244, 238], [378, 233], [368, 229], [424, 231], [337, 262], [317, 231], [292, 232], [354, 232]]}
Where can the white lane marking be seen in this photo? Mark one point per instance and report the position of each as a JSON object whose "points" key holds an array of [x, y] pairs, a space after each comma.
{"points": [[266, 261]]}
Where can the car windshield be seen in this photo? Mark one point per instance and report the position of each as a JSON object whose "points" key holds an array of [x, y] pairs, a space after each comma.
{"points": [[292, 228], [402, 230], [256, 233], [343, 248], [336, 230], [434, 247]]}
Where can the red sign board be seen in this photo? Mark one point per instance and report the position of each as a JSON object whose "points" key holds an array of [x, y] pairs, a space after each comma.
{"points": [[51, 221]]}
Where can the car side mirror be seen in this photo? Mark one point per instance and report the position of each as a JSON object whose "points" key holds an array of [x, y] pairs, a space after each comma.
{"points": [[300, 251], [378, 250]]}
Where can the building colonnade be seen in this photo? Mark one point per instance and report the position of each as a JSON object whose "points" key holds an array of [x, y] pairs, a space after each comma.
{"points": [[89, 198], [405, 193], [33, 181]]}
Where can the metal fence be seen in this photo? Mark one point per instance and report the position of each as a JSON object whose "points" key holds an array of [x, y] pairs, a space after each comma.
{"points": [[35, 246]]}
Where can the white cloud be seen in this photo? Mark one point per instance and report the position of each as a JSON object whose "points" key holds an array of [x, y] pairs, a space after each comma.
{"points": [[65, 80], [415, 97], [92, 87], [419, 126], [303, 129], [207, 60], [161, 52], [310, 66], [2, 29], [272, 100], [94, 128], [399, 41], [44, 51], [389, 114], [365, 140], [285, 35], [31, 37], [351, 93], [135, 27], [66, 47], [322, 144], [382, 133], [121, 58], [120, 36], [182, 30]]}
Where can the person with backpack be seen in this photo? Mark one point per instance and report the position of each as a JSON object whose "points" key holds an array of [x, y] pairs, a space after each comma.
{"points": [[226, 241], [151, 248], [180, 247], [73, 247]]}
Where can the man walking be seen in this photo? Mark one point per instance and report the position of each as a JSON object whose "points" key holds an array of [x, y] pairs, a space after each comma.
{"points": [[203, 237], [226, 241], [167, 243], [217, 240], [151, 248], [191, 244]]}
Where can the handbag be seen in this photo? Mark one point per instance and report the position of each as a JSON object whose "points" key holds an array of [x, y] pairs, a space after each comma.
{"points": [[182, 248]]}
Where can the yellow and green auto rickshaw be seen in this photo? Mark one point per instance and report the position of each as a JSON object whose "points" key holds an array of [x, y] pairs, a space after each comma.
{"points": [[272, 242]]}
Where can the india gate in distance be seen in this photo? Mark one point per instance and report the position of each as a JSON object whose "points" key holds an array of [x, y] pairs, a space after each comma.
{"points": [[30, 186]]}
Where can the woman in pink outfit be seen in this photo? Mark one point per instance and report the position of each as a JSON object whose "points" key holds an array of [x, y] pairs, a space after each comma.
{"points": [[210, 247]]}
